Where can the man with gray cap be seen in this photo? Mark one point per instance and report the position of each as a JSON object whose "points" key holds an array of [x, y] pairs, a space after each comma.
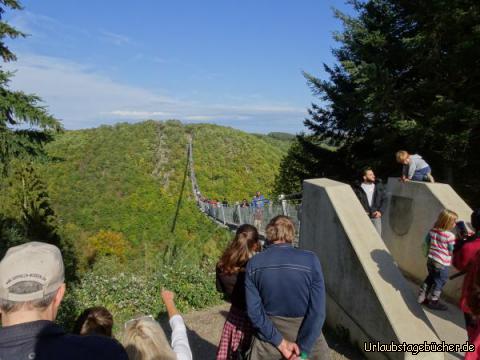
{"points": [[31, 290]]}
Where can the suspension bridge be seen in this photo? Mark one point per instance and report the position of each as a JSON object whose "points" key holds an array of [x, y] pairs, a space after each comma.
{"points": [[232, 216]]}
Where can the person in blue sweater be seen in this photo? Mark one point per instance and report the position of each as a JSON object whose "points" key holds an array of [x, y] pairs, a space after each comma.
{"points": [[285, 295], [258, 201]]}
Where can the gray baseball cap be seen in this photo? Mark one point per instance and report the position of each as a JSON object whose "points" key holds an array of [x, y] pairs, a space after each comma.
{"points": [[35, 262]]}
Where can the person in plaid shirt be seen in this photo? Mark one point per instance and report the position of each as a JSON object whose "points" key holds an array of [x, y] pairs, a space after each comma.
{"points": [[237, 331]]}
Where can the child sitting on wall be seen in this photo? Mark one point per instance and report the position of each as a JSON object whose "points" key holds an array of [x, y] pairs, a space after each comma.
{"points": [[440, 242], [414, 167]]}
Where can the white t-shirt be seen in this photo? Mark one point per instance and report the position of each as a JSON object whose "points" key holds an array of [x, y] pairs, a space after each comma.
{"points": [[369, 190]]}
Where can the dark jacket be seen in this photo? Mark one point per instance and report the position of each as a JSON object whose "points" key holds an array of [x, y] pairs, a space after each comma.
{"points": [[44, 340], [466, 259], [287, 282], [233, 287], [379, 200]]}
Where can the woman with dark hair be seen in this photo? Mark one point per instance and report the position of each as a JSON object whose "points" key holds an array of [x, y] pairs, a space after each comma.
{"points": [[237, 331], [94, 321]]}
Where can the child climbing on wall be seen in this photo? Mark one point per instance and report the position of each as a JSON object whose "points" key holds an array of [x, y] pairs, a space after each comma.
{"points": [[414, 167], [439, 243]]}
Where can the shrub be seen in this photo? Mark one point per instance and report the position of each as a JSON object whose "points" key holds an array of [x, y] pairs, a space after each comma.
{"points": [[128, 294], [107, 243]]}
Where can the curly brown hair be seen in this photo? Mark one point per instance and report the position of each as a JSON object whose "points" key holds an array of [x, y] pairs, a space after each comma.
{"points": [[280, 229]]}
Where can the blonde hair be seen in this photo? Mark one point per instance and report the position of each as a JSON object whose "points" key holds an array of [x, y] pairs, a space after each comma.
{"points": [[446, 220], [401, 155], [145, 339], [280, 228]]}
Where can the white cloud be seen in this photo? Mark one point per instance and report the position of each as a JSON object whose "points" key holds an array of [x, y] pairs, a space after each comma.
{"points": [[138, 114], [114, 38], [260, 108], [215, 117], [159, 60], [82, 98], [75, 93], [202, 117], [47, 30]]}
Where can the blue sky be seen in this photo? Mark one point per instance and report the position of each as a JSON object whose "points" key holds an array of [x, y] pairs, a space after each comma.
{"points": [[229, 62]]}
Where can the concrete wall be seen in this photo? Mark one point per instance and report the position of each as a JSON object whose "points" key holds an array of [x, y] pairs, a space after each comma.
{"points": [[368, 297], [412, 210]]}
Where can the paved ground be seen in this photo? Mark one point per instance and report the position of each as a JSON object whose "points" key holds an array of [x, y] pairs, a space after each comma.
{"points": [[448, 325], [206, 326]]}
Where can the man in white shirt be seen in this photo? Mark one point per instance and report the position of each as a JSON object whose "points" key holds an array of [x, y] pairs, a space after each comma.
{"points": [[371, 195]]}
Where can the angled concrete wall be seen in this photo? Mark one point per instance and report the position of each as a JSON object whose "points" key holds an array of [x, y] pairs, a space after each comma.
{"points": [[412, 210], [368, 297]]}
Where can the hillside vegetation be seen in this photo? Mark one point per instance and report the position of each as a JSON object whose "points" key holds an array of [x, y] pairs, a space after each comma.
{"points": [[233, 164], [128, 178], [122, 199]]}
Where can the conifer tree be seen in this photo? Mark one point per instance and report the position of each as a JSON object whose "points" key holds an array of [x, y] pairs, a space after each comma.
{"points": [[25, 124], [407, 77], [28, 214]]}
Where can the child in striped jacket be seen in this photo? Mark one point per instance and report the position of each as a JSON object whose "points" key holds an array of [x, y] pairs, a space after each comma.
{"points": [[440, 242]]}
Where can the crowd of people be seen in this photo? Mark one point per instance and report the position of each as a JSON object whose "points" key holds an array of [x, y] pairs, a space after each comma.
{"points": [[32, 288], [277, 311], [258, 201], [257, 205], [277, 294]]}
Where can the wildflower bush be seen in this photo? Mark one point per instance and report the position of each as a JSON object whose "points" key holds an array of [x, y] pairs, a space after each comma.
{"points": [[127, 294]]}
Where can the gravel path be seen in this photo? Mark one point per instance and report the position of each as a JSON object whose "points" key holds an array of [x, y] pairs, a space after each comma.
{"points": [[205, 328]]}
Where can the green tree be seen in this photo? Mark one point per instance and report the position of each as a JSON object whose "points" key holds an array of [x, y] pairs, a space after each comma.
{"points": [[308, 157], [25, 124], [406, 77], [28, 215]]}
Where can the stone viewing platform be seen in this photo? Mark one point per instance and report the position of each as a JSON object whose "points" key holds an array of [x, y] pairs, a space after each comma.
{"points": [[370, 281]]}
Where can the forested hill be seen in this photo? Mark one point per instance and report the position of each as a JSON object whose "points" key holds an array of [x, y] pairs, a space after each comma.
{"points": [[118, 201], [128, 178]]}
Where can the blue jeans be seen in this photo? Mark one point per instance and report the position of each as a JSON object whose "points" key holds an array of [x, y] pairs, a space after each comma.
{"points": [[436, 279], [420, 175]]}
